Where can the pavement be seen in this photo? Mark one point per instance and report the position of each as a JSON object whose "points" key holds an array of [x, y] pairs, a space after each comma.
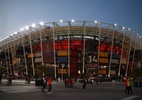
{"points": [[102, 91]]}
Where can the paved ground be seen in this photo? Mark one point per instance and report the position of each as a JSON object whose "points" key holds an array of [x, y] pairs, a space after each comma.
{"points": [[105, 91]]}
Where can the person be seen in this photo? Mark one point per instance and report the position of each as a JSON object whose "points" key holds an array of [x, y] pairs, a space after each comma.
{"points": [[97, 80], [113, 83], [84, 83], [9, 82], [44, 84], [71, 82], [49, 82], [130, 85], [65, 82], [126, 85], [27, 79], [138, 81]]}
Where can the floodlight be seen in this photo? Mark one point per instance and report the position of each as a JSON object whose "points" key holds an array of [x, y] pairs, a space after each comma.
{"points": [[123, 27], [72, 20], [15, 32], [41, 23], [115, 24], [95, 21], [33, 25], [61, 20], [22, 29], [26, 27]]}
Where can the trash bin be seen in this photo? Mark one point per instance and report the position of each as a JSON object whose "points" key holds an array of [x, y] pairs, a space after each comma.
{"points": [[37, 82], [135, 84]]}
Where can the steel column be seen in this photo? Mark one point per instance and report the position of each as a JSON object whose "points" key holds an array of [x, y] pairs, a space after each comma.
{"points": [[54, 51], [32, 55], [25, 59], [121, 54], [111, 52], [84, 30], [128, 56]]}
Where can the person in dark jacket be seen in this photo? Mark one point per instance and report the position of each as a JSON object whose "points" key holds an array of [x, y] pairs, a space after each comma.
{"points": [[9, 82], [84, 83], [44, 83]]}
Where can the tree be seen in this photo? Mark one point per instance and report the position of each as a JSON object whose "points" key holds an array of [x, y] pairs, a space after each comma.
{"points": [[40, 70], [84, 75], [137, 72]]}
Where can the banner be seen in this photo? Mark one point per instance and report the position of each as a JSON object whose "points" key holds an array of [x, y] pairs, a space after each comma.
{"points": [[48, 57], [47, 46]]}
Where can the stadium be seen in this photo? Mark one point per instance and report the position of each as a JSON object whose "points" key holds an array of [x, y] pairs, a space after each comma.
{"points": [[69, 48]]}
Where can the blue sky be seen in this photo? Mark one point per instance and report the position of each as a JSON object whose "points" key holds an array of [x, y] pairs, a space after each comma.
{"points": [[15, 14]]}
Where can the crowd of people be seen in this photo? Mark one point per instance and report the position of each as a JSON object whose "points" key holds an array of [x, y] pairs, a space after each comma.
{"points": [[46, 81], [69, 82]]}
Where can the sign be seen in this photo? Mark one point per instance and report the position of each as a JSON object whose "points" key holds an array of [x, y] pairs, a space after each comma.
{"points": [[37, 54], [62, 71], [31, 55], [38, 59], [62, 53], [92, 58]]}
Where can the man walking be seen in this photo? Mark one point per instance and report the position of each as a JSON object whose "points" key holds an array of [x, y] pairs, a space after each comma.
{"points": [[84, 83], [44, 83], [126, 85]]}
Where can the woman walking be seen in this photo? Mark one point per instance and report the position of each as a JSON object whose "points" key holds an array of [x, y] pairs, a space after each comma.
{"points": [[49, 82]]}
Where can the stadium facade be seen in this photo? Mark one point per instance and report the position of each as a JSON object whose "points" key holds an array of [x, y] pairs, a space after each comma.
{"points": [[69, 48]]}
